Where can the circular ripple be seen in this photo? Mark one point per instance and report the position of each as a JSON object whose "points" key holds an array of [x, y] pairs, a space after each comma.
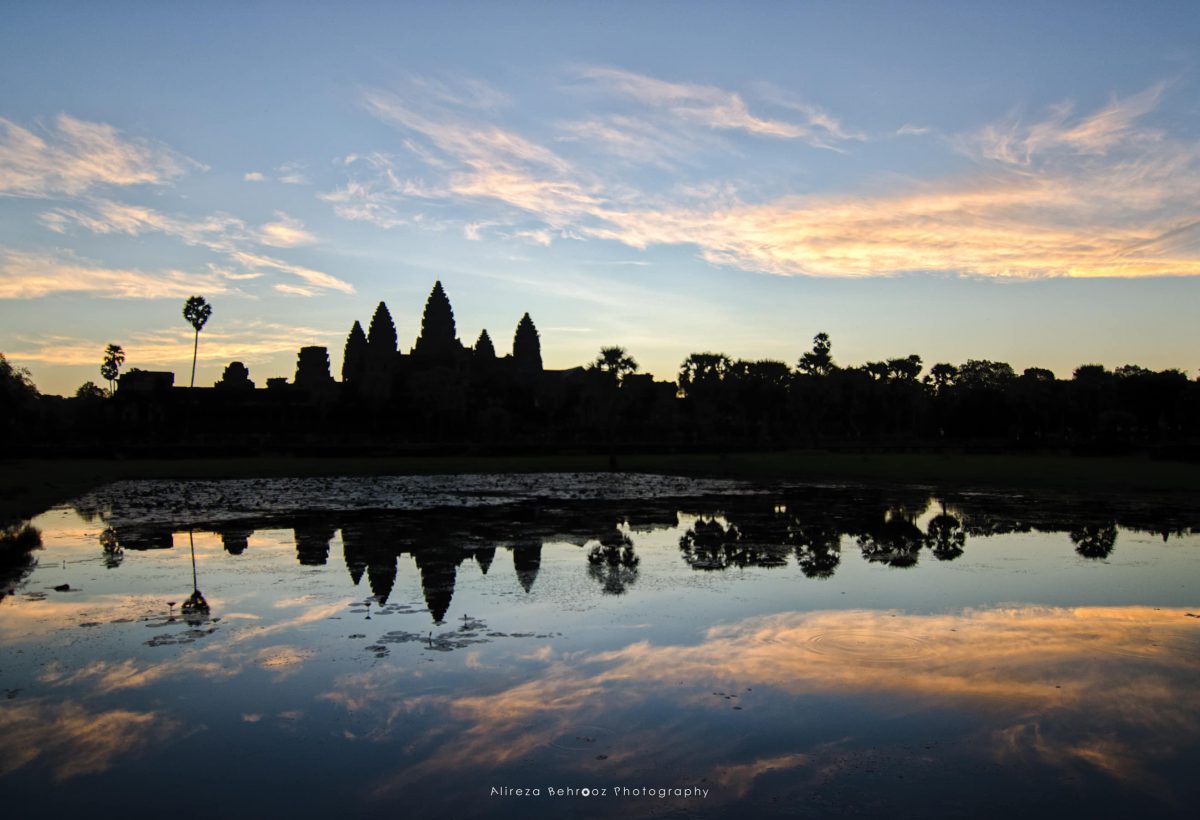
{"points": [[582, 739], [867, 646]]}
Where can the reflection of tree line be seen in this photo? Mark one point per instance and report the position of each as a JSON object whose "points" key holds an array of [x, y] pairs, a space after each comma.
{"points": [[810, 527]]}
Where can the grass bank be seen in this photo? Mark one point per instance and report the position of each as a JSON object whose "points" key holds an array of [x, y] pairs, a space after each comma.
{"points": [[29, 487]]}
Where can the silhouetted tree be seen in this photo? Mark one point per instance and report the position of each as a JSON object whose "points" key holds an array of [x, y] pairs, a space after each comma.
{"points": [[17, 394], [527, 347], [941, 376], [905, 369], [701, 371], [354, 356], [90, 391], [196, 311], [615, 362], [114, 357], [818, 361]]}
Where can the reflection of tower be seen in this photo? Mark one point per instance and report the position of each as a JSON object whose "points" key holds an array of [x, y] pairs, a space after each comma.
{"points": [[355, 552], [484, 558], [312, 544], [235, 539], [438, 573], [381, 574], [527, 560]]}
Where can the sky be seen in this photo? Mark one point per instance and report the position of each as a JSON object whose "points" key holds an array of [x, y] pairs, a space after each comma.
{"points": [[1008, 181]]}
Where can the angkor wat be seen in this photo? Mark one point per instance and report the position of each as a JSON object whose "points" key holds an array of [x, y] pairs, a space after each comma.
{"points": [[444, 396]]}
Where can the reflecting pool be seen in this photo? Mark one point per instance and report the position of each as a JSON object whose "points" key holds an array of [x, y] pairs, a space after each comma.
{"points": [[600, 645]]}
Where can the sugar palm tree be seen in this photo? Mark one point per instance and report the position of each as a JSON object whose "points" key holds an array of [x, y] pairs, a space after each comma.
{"points": [[196, 311], [615, 361], [114, 357]]}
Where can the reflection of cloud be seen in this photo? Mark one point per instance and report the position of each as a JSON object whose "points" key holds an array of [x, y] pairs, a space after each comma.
{"points": [[38, 618], [75, 155], [78, 741], [740, 777], [1100, 672], [105, 677]]}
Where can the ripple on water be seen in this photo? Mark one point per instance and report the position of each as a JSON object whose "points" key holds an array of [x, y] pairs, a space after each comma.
{"points": [[868, 645]]}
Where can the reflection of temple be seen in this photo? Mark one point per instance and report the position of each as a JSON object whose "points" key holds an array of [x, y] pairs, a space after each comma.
{"points": [[807, 526]]}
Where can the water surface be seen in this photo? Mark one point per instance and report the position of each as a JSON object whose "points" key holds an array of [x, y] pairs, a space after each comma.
{"points": [[625, 646]]}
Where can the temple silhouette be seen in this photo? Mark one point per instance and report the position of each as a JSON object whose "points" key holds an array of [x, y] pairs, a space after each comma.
{"points": [[441, 395]]}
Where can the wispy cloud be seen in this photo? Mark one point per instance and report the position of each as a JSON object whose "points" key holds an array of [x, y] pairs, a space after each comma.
{"points": [[285, 232], [315, 278], [74, 156], [253, 176], [33, 275], [1094, 195], [225, 234], [1016, 143], [292, 173], [720, 109]]}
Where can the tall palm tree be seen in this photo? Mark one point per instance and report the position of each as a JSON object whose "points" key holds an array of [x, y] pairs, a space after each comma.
{"points": [[114, 357], [196, 311]]}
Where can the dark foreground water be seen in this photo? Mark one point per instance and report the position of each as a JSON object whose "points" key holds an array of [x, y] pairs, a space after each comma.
{"points": [[604, 646]]}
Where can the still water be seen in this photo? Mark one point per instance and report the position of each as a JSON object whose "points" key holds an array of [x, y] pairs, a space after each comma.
{"points": [[600, 645]]}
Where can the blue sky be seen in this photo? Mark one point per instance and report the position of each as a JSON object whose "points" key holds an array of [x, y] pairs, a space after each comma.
{"points": [[960, 181]]}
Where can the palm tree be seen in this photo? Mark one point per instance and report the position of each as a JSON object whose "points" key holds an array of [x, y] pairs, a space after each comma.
{"points": [[616, 361], [114, 357], [196, 311]]}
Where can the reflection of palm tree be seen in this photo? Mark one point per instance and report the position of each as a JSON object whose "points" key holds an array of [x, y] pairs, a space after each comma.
{"points": [[945, 537], [613, 563], [896, 542], [17, 543], [708, 545], [1095, 540], [114, 553], [818, 550], [195, 609]]}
